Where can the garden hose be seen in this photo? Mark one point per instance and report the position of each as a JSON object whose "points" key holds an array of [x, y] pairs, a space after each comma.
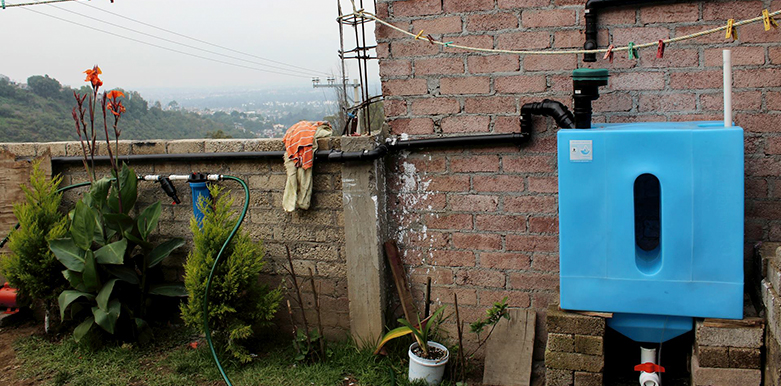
{"points": [[60, 190], [206, 329]]}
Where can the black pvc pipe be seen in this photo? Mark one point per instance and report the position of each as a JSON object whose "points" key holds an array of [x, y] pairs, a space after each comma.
{"points": [[554, 109], [592, 8]]}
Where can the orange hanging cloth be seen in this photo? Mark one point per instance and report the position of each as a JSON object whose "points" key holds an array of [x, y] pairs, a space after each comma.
{"points": [[298, 142]]}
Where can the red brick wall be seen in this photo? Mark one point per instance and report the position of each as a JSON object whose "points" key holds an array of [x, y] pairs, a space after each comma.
{"points": [[482, 222]]}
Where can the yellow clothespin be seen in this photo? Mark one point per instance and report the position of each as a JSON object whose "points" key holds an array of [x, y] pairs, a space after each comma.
{"points": [[732, 32], [769, 21], [418, 35]]}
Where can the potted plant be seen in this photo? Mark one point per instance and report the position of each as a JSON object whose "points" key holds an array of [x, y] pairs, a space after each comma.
{"points": [[427, 359]]}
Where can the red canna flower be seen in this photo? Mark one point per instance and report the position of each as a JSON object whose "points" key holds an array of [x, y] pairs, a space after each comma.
{"points": [[114, 105], [114, 94], [92, 76]]}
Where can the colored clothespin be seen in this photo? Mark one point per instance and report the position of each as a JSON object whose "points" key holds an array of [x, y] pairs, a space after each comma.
{"points": [[632, 54], [430, 39], [769, 21], [418, 35], [609, 54], [660, 50], [732, 32], [447, 44]]}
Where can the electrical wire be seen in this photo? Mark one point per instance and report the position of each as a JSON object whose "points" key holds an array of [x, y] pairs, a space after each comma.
{"points": [[37, 3], [165, 48], [206, 329], [203, 41], [309, 74]]}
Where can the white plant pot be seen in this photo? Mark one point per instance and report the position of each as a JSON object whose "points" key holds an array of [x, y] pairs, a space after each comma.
{"points": [[430, 370]]}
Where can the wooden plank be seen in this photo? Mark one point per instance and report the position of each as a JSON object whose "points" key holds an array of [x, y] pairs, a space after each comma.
{"points": [[508, 354], [400, 279], [604, 315], [734, 323]]}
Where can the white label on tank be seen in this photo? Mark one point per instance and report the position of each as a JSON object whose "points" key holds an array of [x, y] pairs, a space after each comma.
{"points": [[581, 150]]}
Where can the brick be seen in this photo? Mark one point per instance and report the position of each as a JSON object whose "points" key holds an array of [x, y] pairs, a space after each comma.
{"points": [[573, 361], [561, 342], [533, 281], [612, 102], [530, 204], [638, 81], [449, 183], [521, 84], [741, 56], [455, 6], [774, 53], [587, 344], [707, 376], [383, 50], [669, 13], [674, 57], [543, 225], [543, 184], [745, 358], [437, 66], [416, 7], [544, 63], [498, 183], [731, 10], [761, 77], [741, 100], [384, 32], [548, 262], [588, 379], [407, 48], [394, 107], [466, 296], [507, 124], [557, 377], [477, 41], [480, 277], [548, 18], [474, 163], [467, 85], [412, 126], [450, 221], [773, 100], [612, 17], [501, 223], [465, 124], [757, 122], [560, 321], [490, 105], [748, 337], [402, 87], [514, 298], [523, 40], [453, 258], [492, 63], [473, 203], [528, 164], [492, 22], [755, 33], [504, 260], [478, 241], [638, 35], [439, 25], [696, 80], [513, 4], [667, 102], [532, 243], [435, 106]]}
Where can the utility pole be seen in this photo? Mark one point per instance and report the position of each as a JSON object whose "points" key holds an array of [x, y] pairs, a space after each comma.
{"points": [[331, 83]]}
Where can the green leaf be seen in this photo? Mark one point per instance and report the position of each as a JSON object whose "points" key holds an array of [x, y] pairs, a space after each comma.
{"points": [[90, 274], [107, 319], [83, 225], [144, 244], [83, 328], [99, 192], [105, 294], [70, 255], [147, 220], [74, 278], [163, 250], [119, 222], [69, 296], [113, 253], [171, 290], [145, 334], [127, 183], [123, 273]]}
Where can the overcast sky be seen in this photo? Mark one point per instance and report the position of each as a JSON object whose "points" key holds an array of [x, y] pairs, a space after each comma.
{"points": [[300, 33]]}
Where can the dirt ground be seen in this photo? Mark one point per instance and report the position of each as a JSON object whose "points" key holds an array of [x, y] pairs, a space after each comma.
{"points": [[8, 362]]}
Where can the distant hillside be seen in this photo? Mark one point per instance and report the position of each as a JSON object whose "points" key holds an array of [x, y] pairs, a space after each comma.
{"points": [[41, 112]]}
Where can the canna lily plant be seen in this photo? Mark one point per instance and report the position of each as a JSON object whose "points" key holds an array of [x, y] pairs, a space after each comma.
{"points": [[420, 331]]}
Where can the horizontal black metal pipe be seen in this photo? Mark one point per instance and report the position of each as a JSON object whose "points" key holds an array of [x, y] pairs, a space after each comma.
{"points": [[592, 8], [324, 155]]}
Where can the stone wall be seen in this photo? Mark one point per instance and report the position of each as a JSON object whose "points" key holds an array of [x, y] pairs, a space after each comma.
{"points": [[315, 237], [482, 222]]}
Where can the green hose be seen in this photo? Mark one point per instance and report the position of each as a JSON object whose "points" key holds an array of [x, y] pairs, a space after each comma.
{"points": [[60, 190], [206, 329]]}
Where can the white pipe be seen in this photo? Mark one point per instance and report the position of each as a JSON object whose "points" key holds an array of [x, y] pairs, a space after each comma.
{"points": [[648, 355], [727, 54]]}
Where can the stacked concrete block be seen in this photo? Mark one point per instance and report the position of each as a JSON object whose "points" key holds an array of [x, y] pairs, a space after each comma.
{"points": [[727, 352], [575, 351], [772, 301]]}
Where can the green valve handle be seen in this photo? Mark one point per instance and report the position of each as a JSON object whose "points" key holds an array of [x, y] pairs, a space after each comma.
{"points": [[585, 84]]}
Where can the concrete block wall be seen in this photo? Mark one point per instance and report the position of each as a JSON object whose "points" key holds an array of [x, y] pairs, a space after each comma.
{"points": [[482, 222], [771, 287], [727, 353], [315, 237], [575, 352]]}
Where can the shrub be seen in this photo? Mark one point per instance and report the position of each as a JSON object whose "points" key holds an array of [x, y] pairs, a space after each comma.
{"points": [[237, 302], [31, 267]]}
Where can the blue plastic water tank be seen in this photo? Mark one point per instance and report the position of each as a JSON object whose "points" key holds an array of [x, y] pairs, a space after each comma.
{"points": [[651, 219]]}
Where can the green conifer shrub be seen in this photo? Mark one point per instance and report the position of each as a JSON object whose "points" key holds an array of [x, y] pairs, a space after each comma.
{"points": [[237, 302], [31, 267]]}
